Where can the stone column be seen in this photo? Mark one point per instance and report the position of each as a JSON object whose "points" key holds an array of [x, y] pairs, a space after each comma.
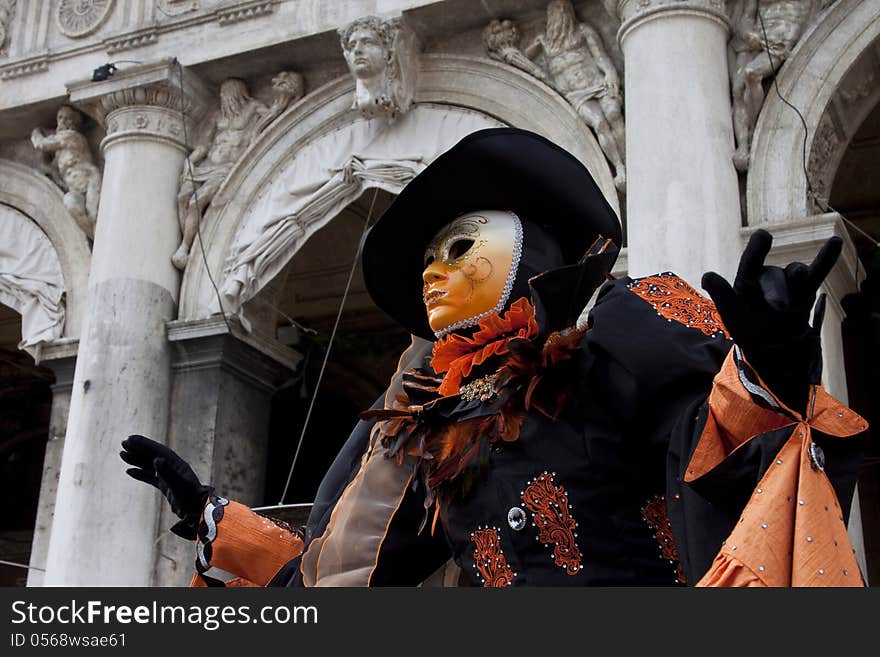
{"points": [[683, 206], [105, 524], [221, 400], [60, 357]]}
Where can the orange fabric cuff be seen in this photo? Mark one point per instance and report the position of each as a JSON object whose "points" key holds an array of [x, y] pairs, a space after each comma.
{"points": [[252, 546]]}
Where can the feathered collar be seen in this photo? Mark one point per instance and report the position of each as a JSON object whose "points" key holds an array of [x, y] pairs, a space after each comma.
{"points": [[456, 356], [446, 433]]}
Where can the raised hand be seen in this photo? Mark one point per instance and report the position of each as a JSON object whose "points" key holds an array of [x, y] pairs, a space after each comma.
{"points": [[767, 311], [161, 467]]}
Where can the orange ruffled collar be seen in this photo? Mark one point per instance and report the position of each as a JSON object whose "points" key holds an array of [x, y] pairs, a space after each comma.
{"points": [[457, 355]]}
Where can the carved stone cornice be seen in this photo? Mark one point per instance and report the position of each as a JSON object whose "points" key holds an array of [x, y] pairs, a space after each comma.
{"points": [[633, 13], [145, 102], [130, 40], [24, 67], [244, 11]]}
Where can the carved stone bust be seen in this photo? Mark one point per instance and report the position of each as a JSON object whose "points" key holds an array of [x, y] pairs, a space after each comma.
{"points": [[381, 55]]}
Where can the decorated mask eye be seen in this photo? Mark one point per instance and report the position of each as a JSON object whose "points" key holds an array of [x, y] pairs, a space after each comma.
{"points": [[458, 248]]}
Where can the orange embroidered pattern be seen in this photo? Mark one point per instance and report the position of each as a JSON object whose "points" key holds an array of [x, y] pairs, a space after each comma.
{"points": [[674, 299], [489, 559], [551, 514], [657, 518]]}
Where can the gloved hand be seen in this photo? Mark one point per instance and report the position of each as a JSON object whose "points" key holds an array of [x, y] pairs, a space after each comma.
{"points": [[767, 312], [161, 467]]}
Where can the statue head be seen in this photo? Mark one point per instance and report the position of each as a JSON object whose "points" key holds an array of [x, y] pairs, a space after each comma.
{"points": [[68, 118], [381, 55], [234, 97], [367, 46], [289, 83], [561, 31]]}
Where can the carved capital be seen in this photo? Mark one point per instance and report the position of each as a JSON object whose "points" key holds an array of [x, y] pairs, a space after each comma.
{"points": [[151, 101], [636, 12]]}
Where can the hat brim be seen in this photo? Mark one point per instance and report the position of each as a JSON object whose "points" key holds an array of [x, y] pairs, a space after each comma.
{"points": [[491, 169]]}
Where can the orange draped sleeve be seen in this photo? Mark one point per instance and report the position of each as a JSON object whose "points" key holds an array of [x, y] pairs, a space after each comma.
{"points": [[243, 543], [792, 531]]}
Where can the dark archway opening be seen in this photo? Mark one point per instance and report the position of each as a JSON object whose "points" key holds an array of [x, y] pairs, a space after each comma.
{"points": [[363, 356], [25, 406], [856, 195]]}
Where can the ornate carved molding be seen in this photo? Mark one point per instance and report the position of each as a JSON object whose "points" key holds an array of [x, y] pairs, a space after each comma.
{"points": [[244, 11], [147, 101], [78, 18], [25, 67], [131, 40], [144, 121]]}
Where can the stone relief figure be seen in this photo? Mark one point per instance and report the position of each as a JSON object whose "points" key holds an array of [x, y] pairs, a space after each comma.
{"points": [[225, 136], [7, 7], [72, 167], [501, 38], [382, 57], [784, 22], [579, 67]]}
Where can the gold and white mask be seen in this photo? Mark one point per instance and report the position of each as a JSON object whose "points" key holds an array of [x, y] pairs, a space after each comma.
{"points": [[470, 267]]}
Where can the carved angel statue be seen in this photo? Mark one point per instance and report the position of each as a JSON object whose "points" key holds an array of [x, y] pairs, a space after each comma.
{"points": [[225, 136], [381, 55], [754, 45], [72, 167], [579, 67], [501, 38]]}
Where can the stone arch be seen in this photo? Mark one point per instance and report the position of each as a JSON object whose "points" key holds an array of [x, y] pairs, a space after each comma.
{"points": [[500, 93], [39, 200], [833, 78]]}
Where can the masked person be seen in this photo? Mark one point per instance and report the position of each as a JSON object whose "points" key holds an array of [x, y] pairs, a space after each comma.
{"points": [[663, 441]]}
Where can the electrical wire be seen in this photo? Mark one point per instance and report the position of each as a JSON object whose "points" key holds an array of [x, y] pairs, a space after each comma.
{"points": [[21, 565]]}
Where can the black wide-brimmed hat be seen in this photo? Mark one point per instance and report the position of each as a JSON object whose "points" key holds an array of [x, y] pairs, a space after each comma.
{"points": [[491, 169]]}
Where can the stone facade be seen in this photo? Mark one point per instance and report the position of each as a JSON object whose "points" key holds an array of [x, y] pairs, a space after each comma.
{"points": [[203, 169]]}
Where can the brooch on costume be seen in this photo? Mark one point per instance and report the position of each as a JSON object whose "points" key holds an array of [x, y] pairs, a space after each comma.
{"points": [[482, 389]]}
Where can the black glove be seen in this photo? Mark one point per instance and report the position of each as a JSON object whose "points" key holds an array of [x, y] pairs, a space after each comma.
{"points": [[161, 467], [767, 312]]}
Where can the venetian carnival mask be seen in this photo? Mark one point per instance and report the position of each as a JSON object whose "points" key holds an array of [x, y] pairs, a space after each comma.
{"points": [[470, 267]]}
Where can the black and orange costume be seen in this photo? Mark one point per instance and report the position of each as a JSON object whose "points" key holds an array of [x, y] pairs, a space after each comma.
{"points": [[642, 447]]}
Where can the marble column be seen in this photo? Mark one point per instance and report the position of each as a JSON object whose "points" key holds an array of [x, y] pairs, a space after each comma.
{"points": [[683, 206], [60, 356], [221, 402], [105, 524]]}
